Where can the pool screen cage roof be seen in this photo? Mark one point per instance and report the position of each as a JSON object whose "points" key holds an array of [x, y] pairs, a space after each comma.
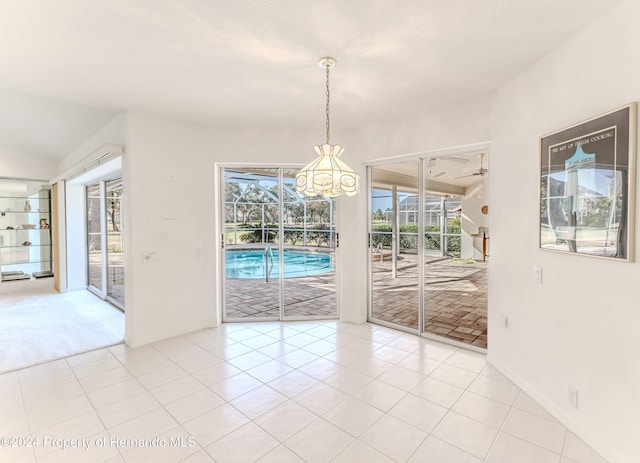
{"points": [[408, 208], [252, 196]]}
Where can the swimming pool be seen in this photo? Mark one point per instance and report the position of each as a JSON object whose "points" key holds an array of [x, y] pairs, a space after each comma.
{"points": [[250, 263]]}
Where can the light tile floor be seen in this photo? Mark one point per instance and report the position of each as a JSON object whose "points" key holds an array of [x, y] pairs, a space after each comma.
{"points": [[279, 392]]}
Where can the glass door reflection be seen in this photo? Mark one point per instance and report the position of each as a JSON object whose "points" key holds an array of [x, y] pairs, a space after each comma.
{"points": [[395, 240], [455, 282]]}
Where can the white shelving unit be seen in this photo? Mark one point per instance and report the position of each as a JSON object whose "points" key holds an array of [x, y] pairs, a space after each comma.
{"points": [[25, 233]]}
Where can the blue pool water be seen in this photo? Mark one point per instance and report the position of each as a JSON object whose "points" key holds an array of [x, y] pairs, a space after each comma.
{"points": [[250, 263]]}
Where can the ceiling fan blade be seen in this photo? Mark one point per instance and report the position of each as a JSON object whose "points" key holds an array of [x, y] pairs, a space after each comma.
{"points": [[479, 172], [454, 159], [440, 174]]}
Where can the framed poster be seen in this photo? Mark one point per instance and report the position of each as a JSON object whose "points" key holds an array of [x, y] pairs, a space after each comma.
{"points": [[587, 186]]}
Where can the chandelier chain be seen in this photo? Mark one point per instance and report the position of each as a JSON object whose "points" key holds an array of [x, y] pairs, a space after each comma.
{"points": [[327, 108], [327, 175]]}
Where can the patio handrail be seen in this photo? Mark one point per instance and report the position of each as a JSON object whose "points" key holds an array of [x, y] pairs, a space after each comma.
{"points": [[268, 256]]}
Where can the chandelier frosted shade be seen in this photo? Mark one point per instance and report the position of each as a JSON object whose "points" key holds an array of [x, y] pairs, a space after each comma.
{"points": [[327, 175]]}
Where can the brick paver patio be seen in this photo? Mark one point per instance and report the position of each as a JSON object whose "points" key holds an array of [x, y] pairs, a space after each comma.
{"points": [[456, 297], [115, 273], [304, 296]]}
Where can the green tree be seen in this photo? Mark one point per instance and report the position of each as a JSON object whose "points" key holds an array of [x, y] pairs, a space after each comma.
{"points": [[250, 204]]}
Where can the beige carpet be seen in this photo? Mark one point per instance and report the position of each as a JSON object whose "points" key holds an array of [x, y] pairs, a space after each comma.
{"points": [[37, 328]]}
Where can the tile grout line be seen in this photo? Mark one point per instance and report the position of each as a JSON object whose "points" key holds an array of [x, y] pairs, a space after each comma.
{"points": [[451, 410], [321, 417], [135, 377], [511, 409], [84, 391], [228, 402], [500, 431], [320, 381], [180, 424], [292, 398], [564, 441], [57, 359], [173, 355], [280, 442], [26, 413]]}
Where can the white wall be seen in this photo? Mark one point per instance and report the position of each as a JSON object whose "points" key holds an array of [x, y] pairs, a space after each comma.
{"points": [[76, 236], [580, 326], [14, 164], [168, 184], [456, 125]]}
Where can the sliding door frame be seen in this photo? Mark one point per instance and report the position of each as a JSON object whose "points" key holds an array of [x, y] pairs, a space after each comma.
{"points": [[223, 247], [109, 288], [421, 158], [395, 245], [103, 292], [282, 316]]}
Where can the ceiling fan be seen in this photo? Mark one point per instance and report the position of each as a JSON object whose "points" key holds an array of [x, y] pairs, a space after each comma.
{"points": [[431, 163], [479, 172], [453, 159]]}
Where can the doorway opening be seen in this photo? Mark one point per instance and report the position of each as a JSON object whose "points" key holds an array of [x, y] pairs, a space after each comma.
{"points": [[41, 320]]}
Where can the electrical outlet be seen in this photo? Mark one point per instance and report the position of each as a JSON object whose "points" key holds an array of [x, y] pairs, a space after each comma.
{"points": [[573, 397], [504, 321]]}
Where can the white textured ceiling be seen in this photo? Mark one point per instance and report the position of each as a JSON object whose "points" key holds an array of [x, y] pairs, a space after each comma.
{"points": [[67, 66]]}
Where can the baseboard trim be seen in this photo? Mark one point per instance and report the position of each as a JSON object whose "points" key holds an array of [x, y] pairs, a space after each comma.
{"points": [[133, 341], [574, 426]]}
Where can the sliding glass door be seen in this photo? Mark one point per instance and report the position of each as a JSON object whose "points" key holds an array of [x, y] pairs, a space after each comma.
{"points": [[394, 246], [94, 239], [105, 243], [279, 248], [428, 245], [309, 276], [115, 241]]}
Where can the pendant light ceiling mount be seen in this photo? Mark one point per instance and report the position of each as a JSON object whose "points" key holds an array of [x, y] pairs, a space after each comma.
{"points": [[327, 175], [327, 62]]}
